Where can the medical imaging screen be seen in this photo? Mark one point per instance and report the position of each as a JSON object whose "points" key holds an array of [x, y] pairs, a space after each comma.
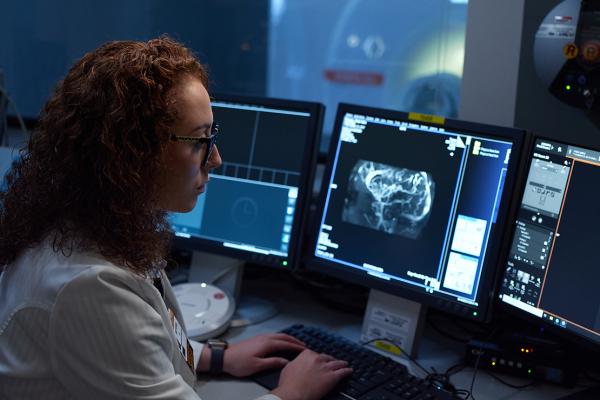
{"points": [[251, 200], [412, 203], [552, 270]]}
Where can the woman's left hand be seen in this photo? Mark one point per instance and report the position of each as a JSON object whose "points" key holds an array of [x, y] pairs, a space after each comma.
{"points": [[252, 355]]}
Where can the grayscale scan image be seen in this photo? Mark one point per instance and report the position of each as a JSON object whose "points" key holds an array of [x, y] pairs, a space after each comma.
{"points": [[389, 199]]}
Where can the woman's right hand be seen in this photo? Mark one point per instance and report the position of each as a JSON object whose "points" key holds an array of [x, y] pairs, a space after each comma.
{"points": [[310, 376]]}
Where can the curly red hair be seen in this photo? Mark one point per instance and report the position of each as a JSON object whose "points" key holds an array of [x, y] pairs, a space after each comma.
{"points": [[88, 174]]}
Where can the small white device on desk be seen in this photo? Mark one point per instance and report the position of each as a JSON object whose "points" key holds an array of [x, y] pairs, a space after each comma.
{"points": [[206, 309]]}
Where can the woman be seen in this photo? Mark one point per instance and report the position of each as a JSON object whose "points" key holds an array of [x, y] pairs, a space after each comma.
{"points": [[85, 308]]}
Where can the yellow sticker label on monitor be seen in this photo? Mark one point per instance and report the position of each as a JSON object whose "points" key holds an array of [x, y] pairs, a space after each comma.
{"points": [[426, 118], [387, 346]]}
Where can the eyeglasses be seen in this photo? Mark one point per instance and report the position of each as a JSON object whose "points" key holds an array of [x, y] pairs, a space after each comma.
{"points": [[209, 141]]}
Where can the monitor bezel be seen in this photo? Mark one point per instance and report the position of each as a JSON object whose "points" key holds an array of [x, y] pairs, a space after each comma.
{"points": [[307, 171], [567, 335], [497, 240]]}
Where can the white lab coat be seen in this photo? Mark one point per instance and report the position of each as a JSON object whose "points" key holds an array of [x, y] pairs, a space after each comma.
{"points": [[79, 327]]}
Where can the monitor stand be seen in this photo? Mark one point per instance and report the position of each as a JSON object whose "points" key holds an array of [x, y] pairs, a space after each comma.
{"points": [[394, 318], [222, 275]]}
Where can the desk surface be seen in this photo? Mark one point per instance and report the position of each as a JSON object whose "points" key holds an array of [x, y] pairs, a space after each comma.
{"points": [[298, 306]]}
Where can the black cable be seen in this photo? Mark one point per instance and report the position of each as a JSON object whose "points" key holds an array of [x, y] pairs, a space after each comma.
{"points": [[462, 392], [437, 379], [479, 354], [441, 381], [511, 385], [474, 374], [459, 367], [411, 358]]}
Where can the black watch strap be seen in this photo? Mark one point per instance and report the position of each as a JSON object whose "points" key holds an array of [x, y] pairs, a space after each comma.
{"points": [[217, 353]]}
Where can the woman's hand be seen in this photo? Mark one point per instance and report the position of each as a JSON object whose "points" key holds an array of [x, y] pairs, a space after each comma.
{"points": [[252, 355], [310, 376]]}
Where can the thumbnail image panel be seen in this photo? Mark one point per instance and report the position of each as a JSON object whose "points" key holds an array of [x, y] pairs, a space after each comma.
{"points": [[461, 273], [545, 187], [469, 235]]}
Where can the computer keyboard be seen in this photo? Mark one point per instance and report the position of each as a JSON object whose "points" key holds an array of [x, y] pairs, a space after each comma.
{"points": [[375, 377]]}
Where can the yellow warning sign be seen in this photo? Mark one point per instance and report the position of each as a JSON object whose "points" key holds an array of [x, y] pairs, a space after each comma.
{"points": [[570, 51]]}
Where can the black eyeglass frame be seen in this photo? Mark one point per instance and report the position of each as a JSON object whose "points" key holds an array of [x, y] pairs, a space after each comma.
{"points": [[209, 141]]}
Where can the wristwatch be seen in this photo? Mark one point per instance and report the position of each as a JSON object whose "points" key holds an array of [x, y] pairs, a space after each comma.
{"points": [[217, 353]]}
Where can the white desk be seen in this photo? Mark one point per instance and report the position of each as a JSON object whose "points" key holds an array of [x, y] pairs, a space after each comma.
{"points": [[297, 306]]}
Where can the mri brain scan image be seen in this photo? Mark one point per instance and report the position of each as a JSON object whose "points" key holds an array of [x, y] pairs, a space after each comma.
{"points": [[390, 199]]}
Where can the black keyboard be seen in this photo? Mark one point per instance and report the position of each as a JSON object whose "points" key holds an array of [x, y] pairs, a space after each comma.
{"points": [[375, 377]]}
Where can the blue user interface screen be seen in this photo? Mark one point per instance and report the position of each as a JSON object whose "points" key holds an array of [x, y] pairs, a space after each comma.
{"points": [[413, 204], [554, 249], [250, 201]]}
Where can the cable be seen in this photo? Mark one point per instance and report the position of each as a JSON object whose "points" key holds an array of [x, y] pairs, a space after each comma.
{"points": [[458, 367], [402, 351], [475, 368], [437, 379], [462, 392], [474, 374], [511, 385], [442, 381]]}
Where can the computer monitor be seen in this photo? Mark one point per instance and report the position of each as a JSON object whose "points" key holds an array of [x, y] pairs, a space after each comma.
{"points": [[552, 272], [416, 206], [254, 206]]}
